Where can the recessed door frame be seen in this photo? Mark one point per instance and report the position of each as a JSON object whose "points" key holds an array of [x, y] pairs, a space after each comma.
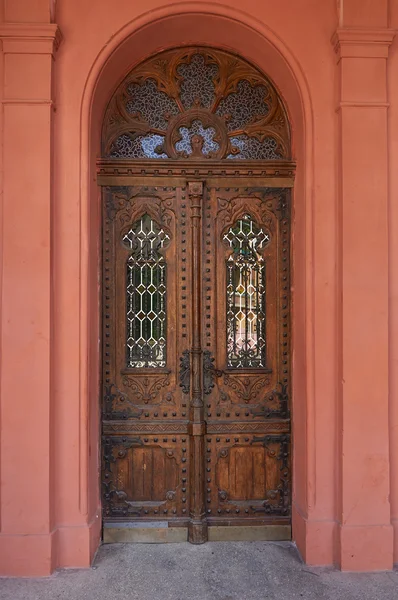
{"points": [[194, 173]]}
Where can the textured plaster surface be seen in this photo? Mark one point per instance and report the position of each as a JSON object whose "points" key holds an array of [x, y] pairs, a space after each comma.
{"points": [[344, 116], [216, 571]]}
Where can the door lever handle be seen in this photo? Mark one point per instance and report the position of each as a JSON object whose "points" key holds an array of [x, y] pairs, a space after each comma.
{"points": [[209, 372]]}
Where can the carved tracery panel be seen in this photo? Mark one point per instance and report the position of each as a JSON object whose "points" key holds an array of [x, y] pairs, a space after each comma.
{"points": [[196, 103]]}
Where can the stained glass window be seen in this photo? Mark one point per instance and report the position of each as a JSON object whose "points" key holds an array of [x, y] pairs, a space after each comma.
{"points": [[196, 103], [244, 104], [197, 81], [146, 295], [246, 292], [151, 104], [142, 146], [252, 148]]}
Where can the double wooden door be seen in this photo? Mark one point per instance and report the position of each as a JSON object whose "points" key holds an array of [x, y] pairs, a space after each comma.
{"points": [[196, 354]]}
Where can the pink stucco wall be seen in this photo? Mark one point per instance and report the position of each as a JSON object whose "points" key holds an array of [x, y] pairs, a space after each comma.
{"points": [[329, 60]]}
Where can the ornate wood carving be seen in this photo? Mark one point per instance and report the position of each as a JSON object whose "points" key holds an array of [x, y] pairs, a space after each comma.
{"points": [[145, 390], [185, 372], [197, 531], [209, 372], [118, 405], [247, 388], [282, 411], [262, 427], [118, 172], [110, 427], [249, 476], [265, 392], [278, 499], [247, 404], [211, 441], [196, 103], [125, 460]]}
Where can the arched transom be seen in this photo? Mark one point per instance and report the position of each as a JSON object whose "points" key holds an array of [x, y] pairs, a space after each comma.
{"points": [[196, 103]]}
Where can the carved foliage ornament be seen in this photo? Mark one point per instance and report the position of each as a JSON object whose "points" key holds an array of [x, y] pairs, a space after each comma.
{"points": [[196, 103]]}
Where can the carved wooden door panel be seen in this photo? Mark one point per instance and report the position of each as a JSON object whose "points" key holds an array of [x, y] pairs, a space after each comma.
{"points": [[246, 369], [146, 236], [196, 333]]}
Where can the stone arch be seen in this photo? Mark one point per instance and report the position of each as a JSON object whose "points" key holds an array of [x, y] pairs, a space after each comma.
{"points": [[236, 32]]}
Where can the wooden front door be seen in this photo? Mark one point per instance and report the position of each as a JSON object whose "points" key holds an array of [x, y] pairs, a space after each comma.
{"points": [[196, 351], [196, 175]]}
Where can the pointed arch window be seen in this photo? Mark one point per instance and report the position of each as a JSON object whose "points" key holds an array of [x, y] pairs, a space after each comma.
{"points": [[146, 311], [246, 294]]}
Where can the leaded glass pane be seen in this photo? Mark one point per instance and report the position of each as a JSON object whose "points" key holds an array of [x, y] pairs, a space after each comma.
{"points": [[142, 146], [244, 105], [196, 128], [252, 148], [240, 114], [246, 340], [146, 295], [197, 83], [151, 104]]}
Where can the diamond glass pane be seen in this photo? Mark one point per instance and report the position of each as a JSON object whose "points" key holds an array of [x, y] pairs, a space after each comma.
{"points": [[252, 148], [246, 340], [196, 128], [146, 295], [244, 105], [148, 146], [150, 104], [197, 82]]}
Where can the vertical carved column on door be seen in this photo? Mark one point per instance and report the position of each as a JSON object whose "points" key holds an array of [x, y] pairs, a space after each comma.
{"points": [[197, 531]]}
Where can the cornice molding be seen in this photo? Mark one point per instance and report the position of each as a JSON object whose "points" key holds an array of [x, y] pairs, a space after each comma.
{"points": [[364, 35], [362, 43], [354, 46], [37, 38]]}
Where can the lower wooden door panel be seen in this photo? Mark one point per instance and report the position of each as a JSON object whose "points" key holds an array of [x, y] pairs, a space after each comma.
{"points": [[147, 477], [248, 478]]}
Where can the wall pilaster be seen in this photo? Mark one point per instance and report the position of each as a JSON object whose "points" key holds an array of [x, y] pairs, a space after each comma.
{"points": [[26, 515], [365, 537]]}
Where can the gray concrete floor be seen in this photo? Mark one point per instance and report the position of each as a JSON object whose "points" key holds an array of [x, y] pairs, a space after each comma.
{"points": [[214, 571]]}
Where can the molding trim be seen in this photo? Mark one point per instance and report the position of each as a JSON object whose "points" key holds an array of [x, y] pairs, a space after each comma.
{"points": [[364, 104], [169, 172], [32, 101], [362, 43], [32, 38]]}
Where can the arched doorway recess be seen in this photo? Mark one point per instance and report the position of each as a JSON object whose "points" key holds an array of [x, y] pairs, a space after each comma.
{"points": [[196, 175]]}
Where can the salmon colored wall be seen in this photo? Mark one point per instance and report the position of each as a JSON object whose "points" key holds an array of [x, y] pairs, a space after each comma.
{"points": [[393, 270], [345, 391]]}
